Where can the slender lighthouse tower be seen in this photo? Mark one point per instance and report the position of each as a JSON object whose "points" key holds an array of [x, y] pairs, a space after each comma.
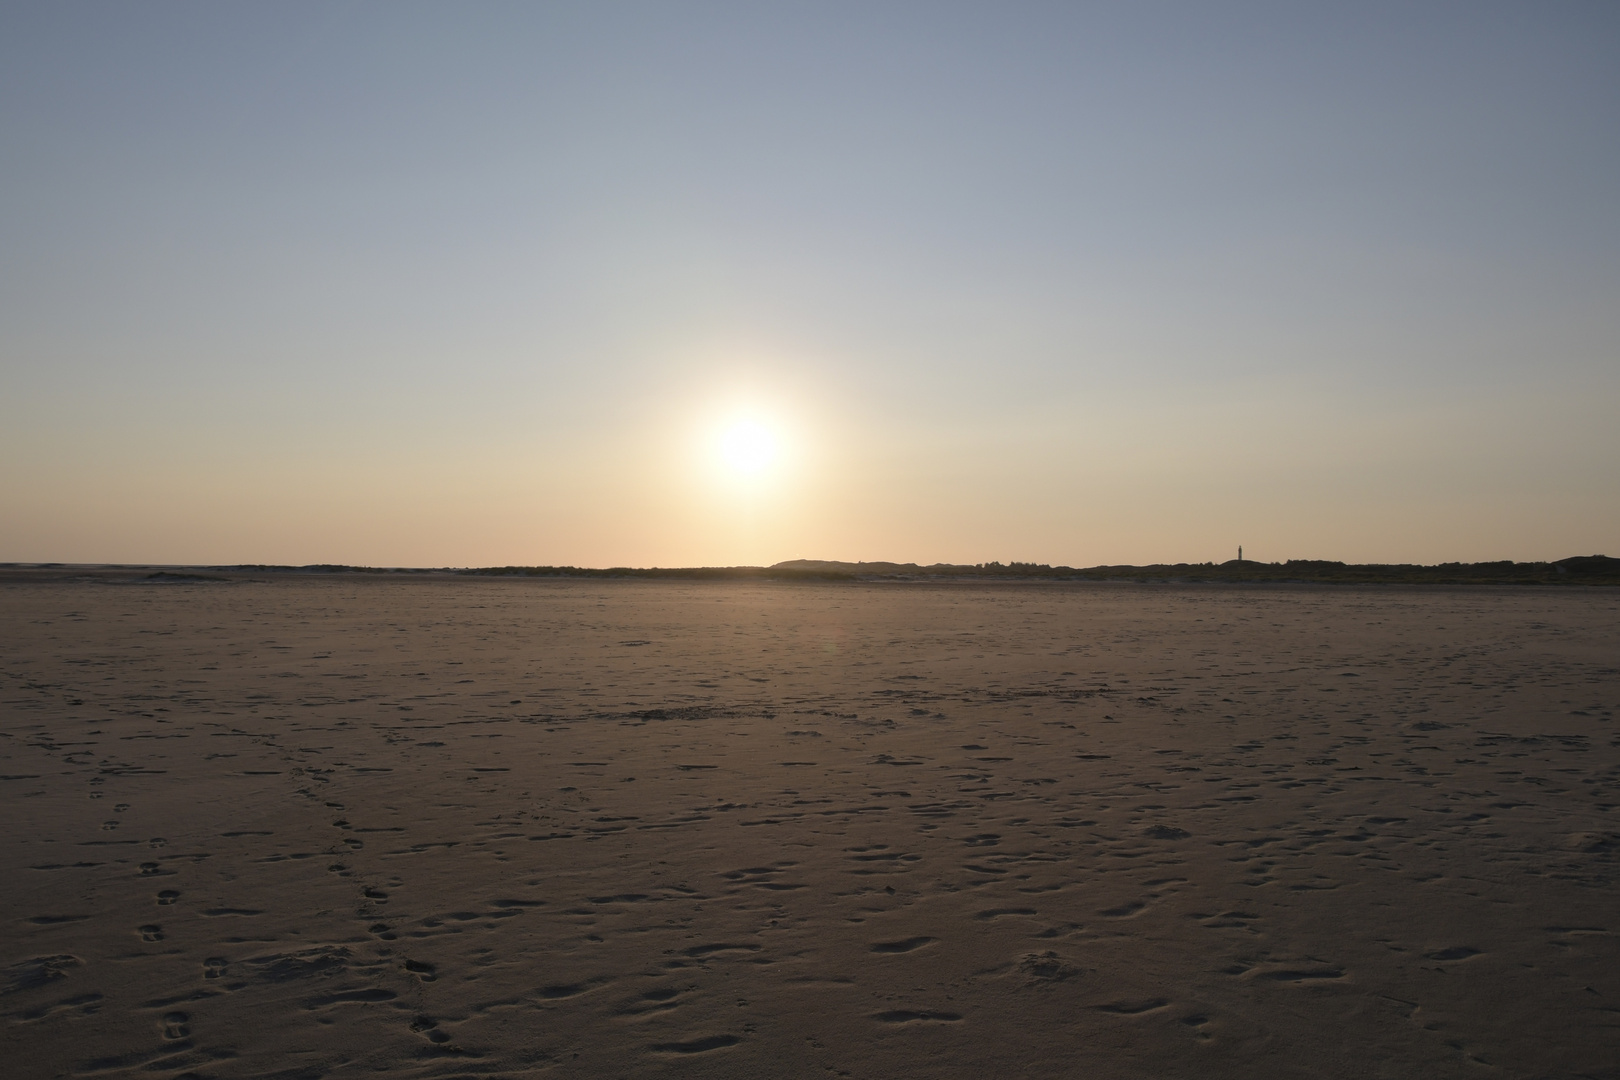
{"points": [[1240, 553]]}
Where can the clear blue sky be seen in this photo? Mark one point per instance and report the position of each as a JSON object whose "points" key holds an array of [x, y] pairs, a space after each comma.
{"points": [[456, 284]]}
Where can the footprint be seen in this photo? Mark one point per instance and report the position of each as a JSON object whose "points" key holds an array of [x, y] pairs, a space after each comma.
{"points": [[565, 990], [86, 1004], [429, 1028], [214, 967], [1049, 966], [1132, 1008], [321, 962], [167, 897], [709, 950], [366, 996], [176, 1025], [1456, 952], [422, 970], [151, 932], [1124, 911], [1060, 930], [37, 972], [658, 1000], [1295, 975], [908, 945]]}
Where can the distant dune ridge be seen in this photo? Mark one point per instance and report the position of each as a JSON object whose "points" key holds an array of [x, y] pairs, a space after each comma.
{"points": [[1584, 569], [1577, 570]]}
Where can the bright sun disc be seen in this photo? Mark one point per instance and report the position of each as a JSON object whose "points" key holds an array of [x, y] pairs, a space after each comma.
{"points": [[748, 448]]}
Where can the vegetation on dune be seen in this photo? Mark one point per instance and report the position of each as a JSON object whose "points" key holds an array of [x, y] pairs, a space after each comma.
{"points": [[781, 572], [1581, 570], [1586, 570]]}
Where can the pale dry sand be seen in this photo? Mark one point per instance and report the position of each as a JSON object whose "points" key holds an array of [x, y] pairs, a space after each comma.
{"points": [[331, 827]]}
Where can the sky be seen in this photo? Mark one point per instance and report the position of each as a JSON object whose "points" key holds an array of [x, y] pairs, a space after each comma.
{"points": [[674, 284]]}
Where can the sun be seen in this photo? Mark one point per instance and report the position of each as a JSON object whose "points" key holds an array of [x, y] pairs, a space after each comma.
{"points": [[747, 448]]}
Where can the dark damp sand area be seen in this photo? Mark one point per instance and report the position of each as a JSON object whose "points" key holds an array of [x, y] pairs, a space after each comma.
{"points": [[348, 826]]}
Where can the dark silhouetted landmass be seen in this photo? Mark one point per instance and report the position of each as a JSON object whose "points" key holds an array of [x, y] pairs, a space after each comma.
{"points": [[1579, 570]]}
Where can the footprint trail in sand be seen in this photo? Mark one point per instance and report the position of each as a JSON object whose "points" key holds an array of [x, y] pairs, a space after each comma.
{"points": [[334, 826]]}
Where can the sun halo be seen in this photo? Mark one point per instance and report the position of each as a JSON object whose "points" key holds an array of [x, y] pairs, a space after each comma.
{"points": [[748, 448]]}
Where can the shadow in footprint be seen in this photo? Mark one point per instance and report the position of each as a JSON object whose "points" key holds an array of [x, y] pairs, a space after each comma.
{"points": [[370, 994], [1456, 952], [697, 951], [1132, 1008], [1124, 911], [1299, 974], [908, 1016], [696, 1046], [661, 999]]}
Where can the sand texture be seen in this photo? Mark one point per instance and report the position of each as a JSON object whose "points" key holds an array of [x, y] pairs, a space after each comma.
{"points": [[333, 827]]}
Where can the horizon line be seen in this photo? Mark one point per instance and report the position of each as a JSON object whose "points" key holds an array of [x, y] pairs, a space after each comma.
{"points": [[1577, 569]]}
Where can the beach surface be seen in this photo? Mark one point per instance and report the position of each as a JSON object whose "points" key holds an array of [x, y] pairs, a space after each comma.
{"points": [[309, 826]]}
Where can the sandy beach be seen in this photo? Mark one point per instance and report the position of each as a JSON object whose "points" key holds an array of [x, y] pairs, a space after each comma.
{"points": [[313, 827]]}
